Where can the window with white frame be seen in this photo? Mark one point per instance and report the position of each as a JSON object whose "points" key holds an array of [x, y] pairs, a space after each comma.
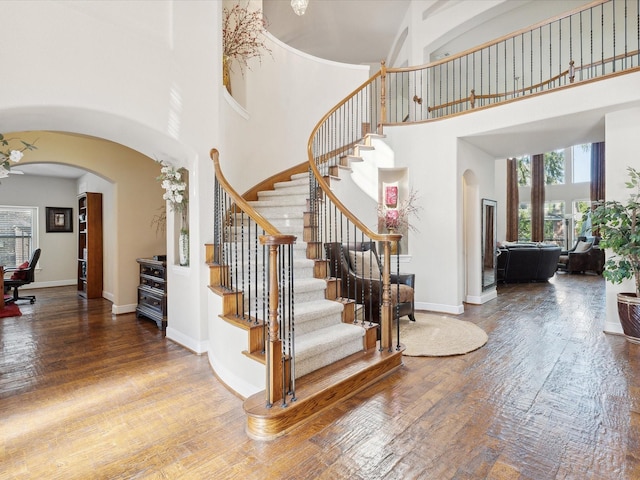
{"points": [[581, 163], [18, 234]]}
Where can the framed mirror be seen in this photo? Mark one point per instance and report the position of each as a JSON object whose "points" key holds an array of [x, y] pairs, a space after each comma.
{"points": [[489, 242]]}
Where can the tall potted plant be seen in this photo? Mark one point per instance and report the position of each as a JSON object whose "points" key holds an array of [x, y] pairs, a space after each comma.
{"points": [[617, 224]]}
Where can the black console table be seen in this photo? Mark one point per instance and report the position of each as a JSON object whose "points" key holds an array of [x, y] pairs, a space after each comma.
{"points": [[152, 291]]}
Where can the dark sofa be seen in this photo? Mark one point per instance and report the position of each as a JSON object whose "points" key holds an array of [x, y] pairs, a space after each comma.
{"points": [[527, 262]]}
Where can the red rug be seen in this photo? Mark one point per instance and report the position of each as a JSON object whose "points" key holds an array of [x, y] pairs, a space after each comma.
{"points": [[11, 310]]}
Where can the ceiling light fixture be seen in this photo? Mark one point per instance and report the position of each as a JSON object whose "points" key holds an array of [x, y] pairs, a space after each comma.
{"points": [[299, 6]]}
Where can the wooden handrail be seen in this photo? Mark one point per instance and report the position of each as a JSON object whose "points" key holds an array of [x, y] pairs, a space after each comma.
{"points": [[608, 60], [522, 91], [473, 97], [239, 201], [498, 40], [325, 188]]}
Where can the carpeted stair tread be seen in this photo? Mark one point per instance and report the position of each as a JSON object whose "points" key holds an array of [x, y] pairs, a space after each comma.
{"points": [[283, 199], [277, 202], [300, 176], [294, 183], [290, 214], [321, 336], [315, 315], [299, 248], [326, 345]]}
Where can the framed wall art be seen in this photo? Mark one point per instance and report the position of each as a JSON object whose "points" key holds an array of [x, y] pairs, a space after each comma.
{"points": [[59, 219]]}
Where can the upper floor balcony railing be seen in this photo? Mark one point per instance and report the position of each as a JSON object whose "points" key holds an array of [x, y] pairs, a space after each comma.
{"points": [[598, 40]]}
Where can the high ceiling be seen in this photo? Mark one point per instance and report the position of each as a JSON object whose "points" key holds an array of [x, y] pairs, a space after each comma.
{"points": [[348, 31]]}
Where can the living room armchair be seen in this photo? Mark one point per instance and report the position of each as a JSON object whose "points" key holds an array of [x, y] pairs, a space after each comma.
{"points": [[360, 272], [20, 276], [584, 256]]}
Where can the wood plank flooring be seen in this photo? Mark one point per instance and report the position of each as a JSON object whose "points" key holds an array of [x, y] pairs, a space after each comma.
{"points": [[88, 395]]}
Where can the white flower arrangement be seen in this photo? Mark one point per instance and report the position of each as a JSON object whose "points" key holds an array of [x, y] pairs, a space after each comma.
{"points": [[176, 192], [9, 155]]}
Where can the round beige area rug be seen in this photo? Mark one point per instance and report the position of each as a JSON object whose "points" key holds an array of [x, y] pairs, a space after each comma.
{"points": [[437, 336]]}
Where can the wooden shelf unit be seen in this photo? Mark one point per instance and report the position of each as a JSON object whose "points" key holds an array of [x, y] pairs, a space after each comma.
{"points": [[90, 245]]}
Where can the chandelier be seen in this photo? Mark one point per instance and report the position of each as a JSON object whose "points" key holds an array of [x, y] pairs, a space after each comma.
{"points": [[299, 6]]}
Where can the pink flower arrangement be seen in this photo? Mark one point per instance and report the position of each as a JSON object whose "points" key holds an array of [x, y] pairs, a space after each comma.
{"points": [[399, 218]]}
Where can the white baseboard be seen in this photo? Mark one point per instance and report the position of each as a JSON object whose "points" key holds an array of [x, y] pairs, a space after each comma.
{"points": [[484, 298], [613, 327], [436, 307], [119, 309], [53, 283], [187, 342], [233, 382]]}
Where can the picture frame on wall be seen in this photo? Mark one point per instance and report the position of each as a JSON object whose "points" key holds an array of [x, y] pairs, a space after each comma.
{"points": [[391, 196], [59, 219]]}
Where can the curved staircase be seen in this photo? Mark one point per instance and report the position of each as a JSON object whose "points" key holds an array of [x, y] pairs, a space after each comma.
{"points": [[336, 355]]}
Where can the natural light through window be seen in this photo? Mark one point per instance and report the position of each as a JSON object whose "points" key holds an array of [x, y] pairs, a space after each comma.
{"points": [[18, 234], [581, 155]]}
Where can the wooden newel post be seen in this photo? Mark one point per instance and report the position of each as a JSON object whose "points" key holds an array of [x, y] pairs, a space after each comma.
{"points": [[386, 318], [383, 97], [274, 354]]}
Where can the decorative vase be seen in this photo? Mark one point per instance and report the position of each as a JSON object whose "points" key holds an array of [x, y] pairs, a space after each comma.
{"points": [[226, 74], [183, 248], [629, 313]]}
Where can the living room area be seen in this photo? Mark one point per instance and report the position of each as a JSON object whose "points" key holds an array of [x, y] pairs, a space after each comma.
{"points": [[548, 226]]}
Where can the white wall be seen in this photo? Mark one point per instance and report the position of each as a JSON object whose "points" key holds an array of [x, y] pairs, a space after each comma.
{"points": [[432, 29], [621, 151], [286, 95], [480, 166], [57, 265], [142, 74]]}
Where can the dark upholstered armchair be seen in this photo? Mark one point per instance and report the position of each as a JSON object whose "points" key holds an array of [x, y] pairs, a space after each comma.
{"points": [[21, 276], [359, 269], [583, 257]]}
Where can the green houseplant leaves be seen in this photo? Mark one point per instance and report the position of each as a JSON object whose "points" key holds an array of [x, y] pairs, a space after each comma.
{"points": [[617, 224]]}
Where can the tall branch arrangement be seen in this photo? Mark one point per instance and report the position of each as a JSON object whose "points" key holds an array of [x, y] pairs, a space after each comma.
{"points": [[243, 34]]}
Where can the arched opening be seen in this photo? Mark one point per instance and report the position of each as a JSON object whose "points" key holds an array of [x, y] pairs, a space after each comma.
{"points": [[66, 164]]}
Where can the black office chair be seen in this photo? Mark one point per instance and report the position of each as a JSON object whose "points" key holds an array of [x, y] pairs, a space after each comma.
{"points": [[20, 277]]}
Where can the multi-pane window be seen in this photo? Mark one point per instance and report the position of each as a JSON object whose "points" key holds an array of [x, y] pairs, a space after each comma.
{"points": [[554, 168], [581, 222], [524, 171], [18, 227], [581, 163], [554, 223], [524, 222]]}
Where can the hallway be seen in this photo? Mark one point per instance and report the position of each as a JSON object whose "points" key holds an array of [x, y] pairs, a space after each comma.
{"points": [[85, 394]]}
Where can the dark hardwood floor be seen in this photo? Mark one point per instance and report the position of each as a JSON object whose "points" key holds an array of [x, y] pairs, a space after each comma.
{"points": [[88, 395]]}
